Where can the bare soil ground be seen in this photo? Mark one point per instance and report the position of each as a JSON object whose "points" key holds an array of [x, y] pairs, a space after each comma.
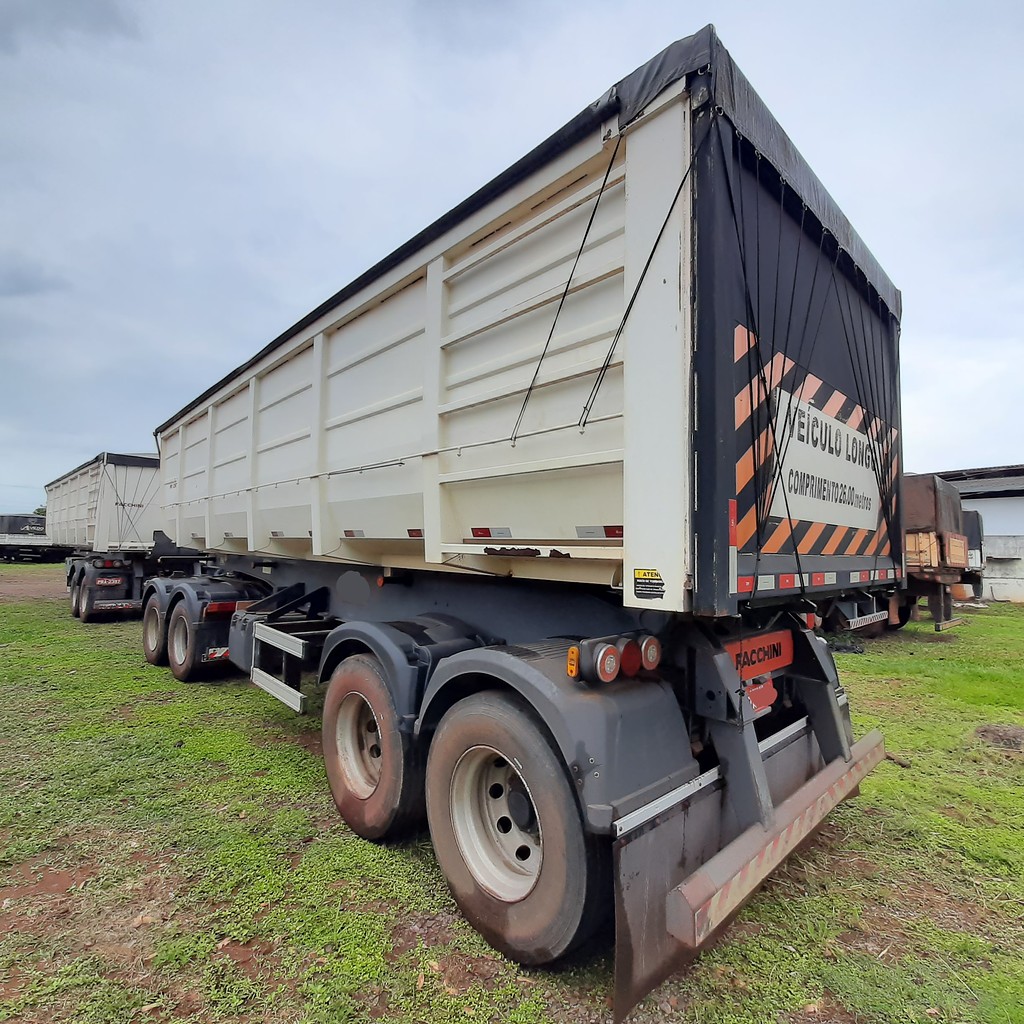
{"points": [[32, 583]]}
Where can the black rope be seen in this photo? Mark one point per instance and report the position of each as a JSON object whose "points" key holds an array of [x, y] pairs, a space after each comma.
{"points": [[565, 292], [589, 404], [863, 397]]}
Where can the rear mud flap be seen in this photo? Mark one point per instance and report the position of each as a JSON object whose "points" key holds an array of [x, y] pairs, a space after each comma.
{"points": [[676, 884]]}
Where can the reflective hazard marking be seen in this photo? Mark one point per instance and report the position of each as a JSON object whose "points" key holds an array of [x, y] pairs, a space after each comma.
{"points": [[215, 654], [733, 558], [648, 584]]}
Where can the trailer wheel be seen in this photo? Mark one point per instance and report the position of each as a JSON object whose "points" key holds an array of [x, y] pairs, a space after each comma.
{"points": [[154, 637], [903, 612], [182, 655], [86, 600], [508, 834], [76, 594], [375, 771]]}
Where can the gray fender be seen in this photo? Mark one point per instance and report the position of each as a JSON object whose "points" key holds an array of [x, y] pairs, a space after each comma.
{"points": [[396, 652], [624, 744]]}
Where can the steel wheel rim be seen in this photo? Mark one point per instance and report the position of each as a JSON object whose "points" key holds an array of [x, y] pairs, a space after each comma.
{"points": [[496, 824], [178, 640], [357, 733], [151, 626]]}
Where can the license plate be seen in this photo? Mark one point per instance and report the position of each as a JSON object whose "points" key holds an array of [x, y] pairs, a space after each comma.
{"points": [[758, 655], [109, 581]]}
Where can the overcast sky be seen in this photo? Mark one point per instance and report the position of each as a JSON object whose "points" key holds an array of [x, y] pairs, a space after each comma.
{"points": [[180, 181]]}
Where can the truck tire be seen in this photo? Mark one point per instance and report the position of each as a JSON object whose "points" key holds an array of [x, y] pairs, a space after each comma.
{"points": [[154, 636], [86, 600], [76, 594], [508, 834], [903, 612], [375, 771], [182, 655]]}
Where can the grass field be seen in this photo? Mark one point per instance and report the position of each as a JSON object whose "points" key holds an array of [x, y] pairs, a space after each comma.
{"points": [[170, 852]]}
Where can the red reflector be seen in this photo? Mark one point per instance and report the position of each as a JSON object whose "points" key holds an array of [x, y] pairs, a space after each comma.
{"points": [[108, 564], [481, 531], [350, 533], [650, 651], [745, 585], [606, 663], [758, 655], [732, 523], [415, 533], [812, 620], [613, 531], [817, 579], [787, 581], [630, 658], [220, 608], [762, 695]]}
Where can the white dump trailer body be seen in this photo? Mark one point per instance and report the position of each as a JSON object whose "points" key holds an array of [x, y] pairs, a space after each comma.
{"points": [[108, 504], [554, 382], [383, 433]]}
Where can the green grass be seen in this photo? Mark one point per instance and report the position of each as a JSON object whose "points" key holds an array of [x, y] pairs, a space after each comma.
{"points": [[215, 881]]}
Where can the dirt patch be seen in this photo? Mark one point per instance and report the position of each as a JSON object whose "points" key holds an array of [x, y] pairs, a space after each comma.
{"points": [[822, 1011], [311, 741], [460, 971], [32, 583], [12, 983], [308, 740], [375, 1000], [1008, 737], [33, 880], [435, 930], [253, 958]]}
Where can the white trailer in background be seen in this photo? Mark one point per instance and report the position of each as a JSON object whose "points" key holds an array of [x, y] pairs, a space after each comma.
{"points": [[544, 500], [107, 512]]}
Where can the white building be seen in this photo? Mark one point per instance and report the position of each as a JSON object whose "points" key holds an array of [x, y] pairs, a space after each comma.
{"points": [[998, 494]]}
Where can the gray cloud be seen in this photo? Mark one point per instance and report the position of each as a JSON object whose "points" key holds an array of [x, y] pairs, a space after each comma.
{"points": [[22, 276], [29, 21]]}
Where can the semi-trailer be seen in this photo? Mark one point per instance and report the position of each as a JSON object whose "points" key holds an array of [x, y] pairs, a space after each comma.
{"points": [[23, 538], [544, 502], [105, 513]]}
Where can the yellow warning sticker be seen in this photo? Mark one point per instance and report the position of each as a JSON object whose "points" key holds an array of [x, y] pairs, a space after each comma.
{"points": [[648, 584]]}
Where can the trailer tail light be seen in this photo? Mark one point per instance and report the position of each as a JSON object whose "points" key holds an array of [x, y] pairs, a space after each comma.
{"points": [[630, 658], [215, 608], [606, 663], [650, 652]]}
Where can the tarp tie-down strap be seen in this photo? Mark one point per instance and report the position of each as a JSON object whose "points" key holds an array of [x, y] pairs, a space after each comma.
{"points": [[565, 293], [602, 373]]}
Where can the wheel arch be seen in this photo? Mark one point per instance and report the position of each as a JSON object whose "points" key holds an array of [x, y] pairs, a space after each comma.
{"points": [[394, 649], [622, 744]]}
